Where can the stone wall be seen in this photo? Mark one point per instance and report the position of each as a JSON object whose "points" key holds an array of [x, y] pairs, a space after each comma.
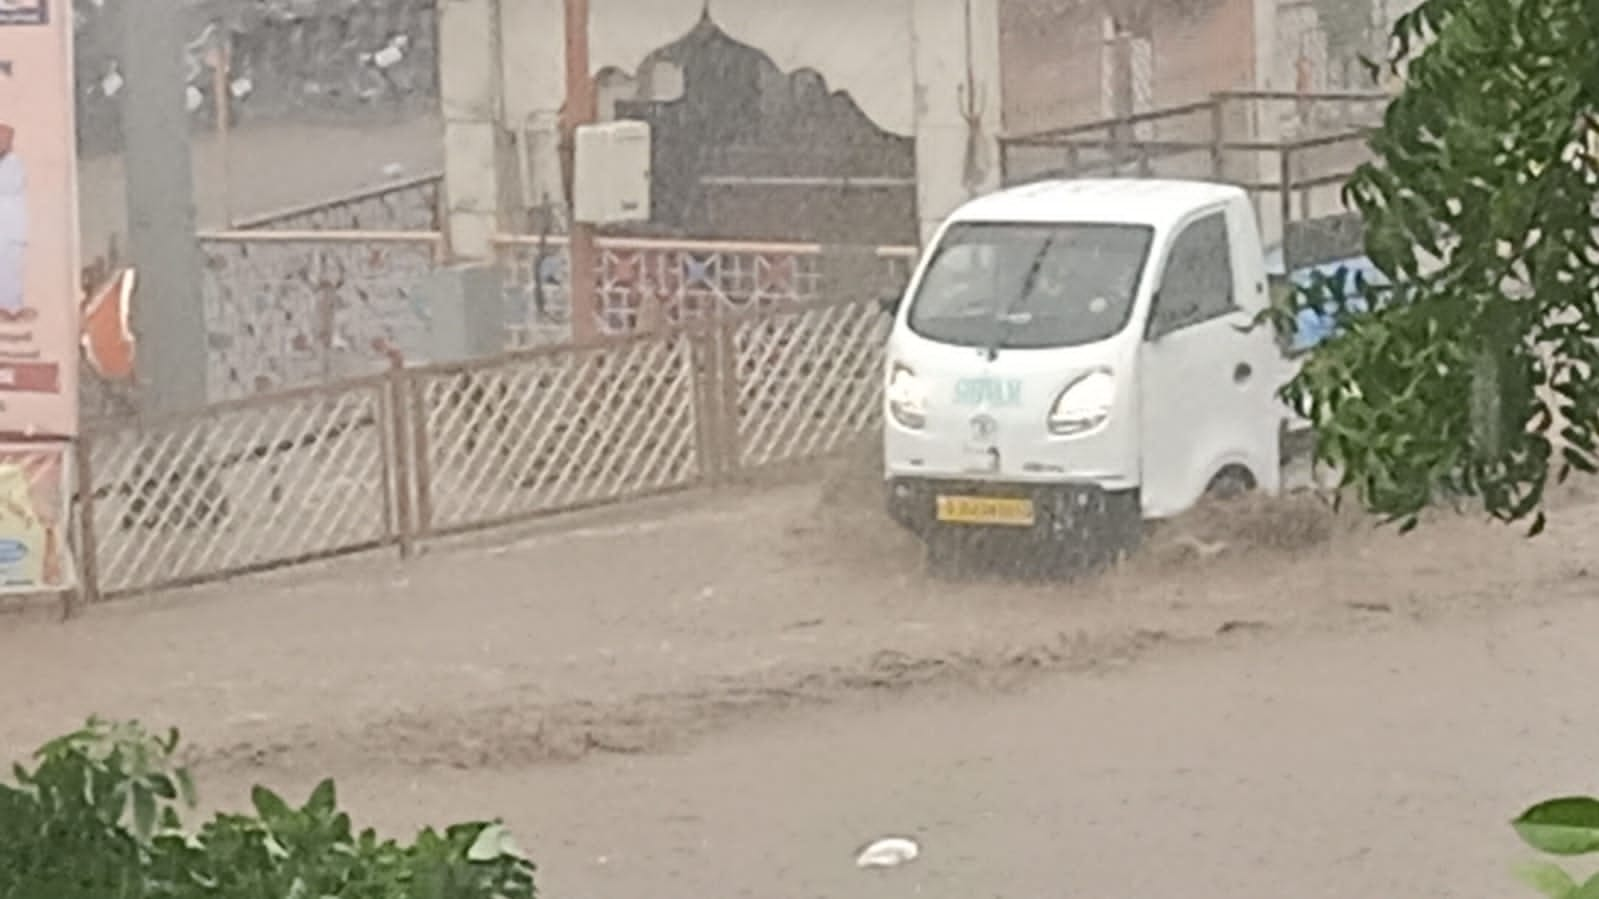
{"points": [[292, 59]]}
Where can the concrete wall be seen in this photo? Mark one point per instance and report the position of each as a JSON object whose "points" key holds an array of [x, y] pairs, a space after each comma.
{"points": [[1055, 58], [923, 70], [1055, 52], [298, 61], [1320, 42]]}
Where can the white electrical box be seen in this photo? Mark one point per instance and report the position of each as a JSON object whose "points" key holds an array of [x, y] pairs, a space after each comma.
{"points": [[612, 183]]}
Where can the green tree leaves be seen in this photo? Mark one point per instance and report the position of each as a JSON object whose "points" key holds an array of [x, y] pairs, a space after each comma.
{"points": [[99, 817], [1474, 375], [1548, 879], [1567, 826]]}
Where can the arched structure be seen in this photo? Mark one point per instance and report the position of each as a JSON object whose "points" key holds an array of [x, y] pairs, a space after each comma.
{"points": [[745, 150], [925, 71], [859, 46]]}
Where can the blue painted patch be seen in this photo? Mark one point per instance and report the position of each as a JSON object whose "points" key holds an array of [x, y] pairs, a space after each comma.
{"points": [[1312, 327], [12, 552]]}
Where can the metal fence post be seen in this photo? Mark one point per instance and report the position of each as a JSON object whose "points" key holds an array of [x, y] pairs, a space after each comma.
{"points": [[728, 389], [414, 399], [88, 549], [1218, 137], [1285, 178], [396, 434], [702, 369]]}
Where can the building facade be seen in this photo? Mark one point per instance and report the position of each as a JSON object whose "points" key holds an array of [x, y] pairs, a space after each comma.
{"points": [[768, 113], [836, 121]]}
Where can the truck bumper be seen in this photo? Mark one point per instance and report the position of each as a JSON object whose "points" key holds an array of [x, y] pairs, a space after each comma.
{"points": [[1080, 525]]}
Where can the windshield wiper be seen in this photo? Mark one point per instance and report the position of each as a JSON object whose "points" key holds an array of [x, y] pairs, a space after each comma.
{"points": [[1005, 319]]}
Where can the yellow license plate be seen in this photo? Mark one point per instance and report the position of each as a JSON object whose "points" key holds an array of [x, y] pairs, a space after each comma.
{"points": [[1016, 513]]}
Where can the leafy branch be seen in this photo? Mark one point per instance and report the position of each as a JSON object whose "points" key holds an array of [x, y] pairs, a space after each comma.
{"points": [[1468, 373]]}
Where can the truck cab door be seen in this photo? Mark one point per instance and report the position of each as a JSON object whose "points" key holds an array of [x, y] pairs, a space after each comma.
{"points": [[1206, 380]]}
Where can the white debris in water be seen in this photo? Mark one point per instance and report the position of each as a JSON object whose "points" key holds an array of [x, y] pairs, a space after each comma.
{"points": [[889, 852], [241, 88], [388, 56], [193, 99], [111, 84], [393, 170]]}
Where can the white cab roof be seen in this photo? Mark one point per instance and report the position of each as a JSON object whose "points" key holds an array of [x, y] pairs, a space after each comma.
{"points": [[1159, 203]]}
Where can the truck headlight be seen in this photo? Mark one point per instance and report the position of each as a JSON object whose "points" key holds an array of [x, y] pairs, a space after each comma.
{"points": [[907, 400], [1084, 405]]}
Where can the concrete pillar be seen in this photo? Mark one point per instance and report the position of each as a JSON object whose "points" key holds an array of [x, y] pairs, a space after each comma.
{"points": [[955, 61], [1267, 124], [534, 87], [480, 180], [169, 315], [465, 316]]}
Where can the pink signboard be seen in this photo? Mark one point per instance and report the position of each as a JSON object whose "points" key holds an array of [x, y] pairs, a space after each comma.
{"points": [[39, 288]]}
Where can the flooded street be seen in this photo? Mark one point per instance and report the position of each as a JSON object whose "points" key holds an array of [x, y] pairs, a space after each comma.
{"points": [[728, 693]]}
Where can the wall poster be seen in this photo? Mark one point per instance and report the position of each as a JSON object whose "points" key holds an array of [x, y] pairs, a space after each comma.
{"points": [[39, 289]]}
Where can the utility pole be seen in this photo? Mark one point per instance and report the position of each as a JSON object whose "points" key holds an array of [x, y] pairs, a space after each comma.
{"points": [[581, 109], [169, 311], [219, 56]]}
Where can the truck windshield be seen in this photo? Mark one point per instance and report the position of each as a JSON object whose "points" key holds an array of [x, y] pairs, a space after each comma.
{"points": [[1030, 286]]}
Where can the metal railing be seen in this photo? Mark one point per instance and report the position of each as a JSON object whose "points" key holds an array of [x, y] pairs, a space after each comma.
{"points": [[415, 453], [238, 487], [1292, 152], [409, 204]]}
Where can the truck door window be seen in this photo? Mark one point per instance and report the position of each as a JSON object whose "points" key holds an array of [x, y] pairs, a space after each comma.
{"points": [[1197, 284]]}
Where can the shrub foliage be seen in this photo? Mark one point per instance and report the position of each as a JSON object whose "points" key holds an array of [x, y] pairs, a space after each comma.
{"points": [[100, 816]]}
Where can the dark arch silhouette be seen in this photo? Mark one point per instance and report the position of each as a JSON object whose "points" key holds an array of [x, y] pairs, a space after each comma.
{"points": [[742, 124]]}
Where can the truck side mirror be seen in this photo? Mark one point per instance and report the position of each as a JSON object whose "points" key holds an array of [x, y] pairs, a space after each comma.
{"points": [[889, 302]]}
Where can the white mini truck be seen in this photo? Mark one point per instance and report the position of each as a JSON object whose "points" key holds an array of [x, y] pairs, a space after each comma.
{"points": [[1073, 358]]}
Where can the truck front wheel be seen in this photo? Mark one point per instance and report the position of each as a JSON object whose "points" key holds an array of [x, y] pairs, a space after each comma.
{"points": [[1230, 483]]}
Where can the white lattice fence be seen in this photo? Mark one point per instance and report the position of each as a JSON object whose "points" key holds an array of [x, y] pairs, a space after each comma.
{"points": [[240, 487], [285, 477], [808, 381], [547, 430]]}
